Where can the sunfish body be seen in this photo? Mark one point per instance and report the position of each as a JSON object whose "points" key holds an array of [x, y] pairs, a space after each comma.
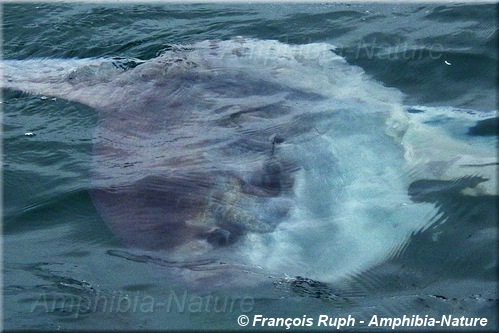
{"points": [[247, 153]]}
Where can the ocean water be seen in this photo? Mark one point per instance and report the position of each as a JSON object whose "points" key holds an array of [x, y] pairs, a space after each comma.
{"points": [[342, 159]]}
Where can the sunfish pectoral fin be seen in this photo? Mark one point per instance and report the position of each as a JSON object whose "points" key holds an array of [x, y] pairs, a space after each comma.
{"points": [[87, 81]]}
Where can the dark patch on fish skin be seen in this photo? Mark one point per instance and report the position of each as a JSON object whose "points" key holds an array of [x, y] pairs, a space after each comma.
{"points": [[160, 207], [220, 238], [413, 110], [440, 297], [239, 206], [241, 114], [271, 179], [275, 176], [275, 140], [486, 127]]}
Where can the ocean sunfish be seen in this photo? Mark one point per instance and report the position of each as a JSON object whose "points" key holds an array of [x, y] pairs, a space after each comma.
{"points": [[248, 152]]}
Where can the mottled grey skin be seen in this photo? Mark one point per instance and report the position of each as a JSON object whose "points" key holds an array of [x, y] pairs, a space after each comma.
{"points": [[185, 150], [178, 171], [253, 157]]}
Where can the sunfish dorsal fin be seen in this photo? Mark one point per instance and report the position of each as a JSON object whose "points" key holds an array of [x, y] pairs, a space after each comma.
{"points": [[88, 81]]}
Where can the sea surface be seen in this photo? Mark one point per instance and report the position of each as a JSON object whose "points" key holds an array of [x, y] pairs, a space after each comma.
{"points": [[64, 269]]}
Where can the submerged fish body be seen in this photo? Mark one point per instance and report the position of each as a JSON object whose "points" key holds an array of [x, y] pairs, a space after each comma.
{"points": [[251, 153]]}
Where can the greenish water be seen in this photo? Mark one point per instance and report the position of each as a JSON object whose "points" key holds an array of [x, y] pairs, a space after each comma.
{"points": [[63, 268]]}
